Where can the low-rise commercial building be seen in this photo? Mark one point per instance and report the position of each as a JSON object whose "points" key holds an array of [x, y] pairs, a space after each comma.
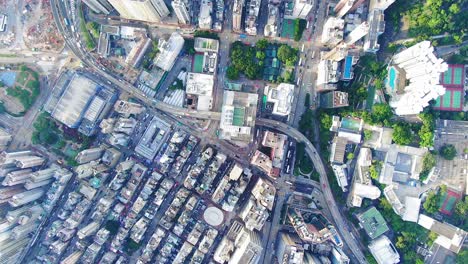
{"points": [[281, 97], [238, 116]]}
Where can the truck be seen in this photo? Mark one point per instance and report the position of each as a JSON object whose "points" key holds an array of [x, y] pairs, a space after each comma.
{"points": [[243, 36]]}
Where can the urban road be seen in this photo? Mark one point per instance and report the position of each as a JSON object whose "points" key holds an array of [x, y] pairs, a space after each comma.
{"points": [[72, 40]]}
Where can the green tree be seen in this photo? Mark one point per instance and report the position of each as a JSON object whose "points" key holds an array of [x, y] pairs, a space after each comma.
{"points": [[287, 55], [374, 169], [462, 257], [381, 113], [206, 34], [260, 55], [288, 77], [429, 162], [261, 44], [431, 238], [131, 246], [431, 205], [426, 133], [93, 28], [448, 151], [299, 26], [367, 134], [402, 134], [232, 73], [350, 156], [461, 208]]}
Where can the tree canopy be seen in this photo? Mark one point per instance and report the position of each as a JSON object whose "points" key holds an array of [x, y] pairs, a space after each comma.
{"points": [[402, 134], [243, 59], [426, 133], [381, 113], [448, 151], [287, 55], [436, 17], [261, 44]]}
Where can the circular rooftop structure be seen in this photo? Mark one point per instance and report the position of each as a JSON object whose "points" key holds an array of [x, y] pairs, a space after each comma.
{"points": [[213, 216]]}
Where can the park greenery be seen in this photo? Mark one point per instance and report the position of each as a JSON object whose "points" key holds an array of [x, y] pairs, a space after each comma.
{"points": [[249, 60], [85, 32], [27, 89], [448, 152], [47, 133], [245, 61], [426, 19], [438, 17], [287, 55], [299, 26], [93, 28]]}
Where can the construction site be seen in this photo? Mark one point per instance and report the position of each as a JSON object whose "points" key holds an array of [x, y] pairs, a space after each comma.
{"points": [[40, 32]]}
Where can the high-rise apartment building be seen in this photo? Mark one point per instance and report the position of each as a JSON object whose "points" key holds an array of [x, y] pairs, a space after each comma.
{"points": [[248, 248], [161, 7], [345, 6], [182, 10], [99, 6], [359, 32], [88, 155], [143, 10], [302, 8], [237, 15]]}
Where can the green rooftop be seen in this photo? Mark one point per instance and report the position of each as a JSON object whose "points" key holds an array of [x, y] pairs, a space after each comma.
{"points": [[373, 223], [238, 118]]}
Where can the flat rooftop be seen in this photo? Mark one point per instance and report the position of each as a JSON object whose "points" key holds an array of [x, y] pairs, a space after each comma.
{"points": [[155, 135], [373, 223]]}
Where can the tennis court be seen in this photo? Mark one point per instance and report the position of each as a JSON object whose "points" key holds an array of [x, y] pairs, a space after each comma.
{"points": [[448, 202], [452, 100], [448, 76], [457, 100], [453, 77], [458, 76]]}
